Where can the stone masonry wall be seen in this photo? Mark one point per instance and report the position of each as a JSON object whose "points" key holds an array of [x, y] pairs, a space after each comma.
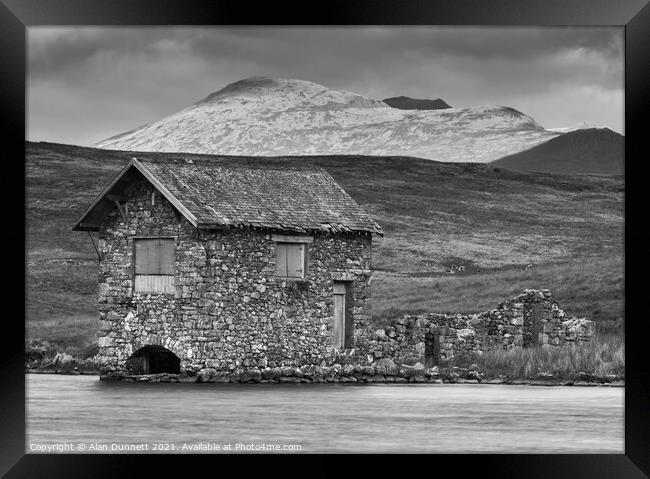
{"points": [[229, 311], [531, 318]]}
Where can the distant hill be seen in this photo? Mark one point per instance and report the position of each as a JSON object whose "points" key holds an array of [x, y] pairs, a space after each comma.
{"points": [[406, 103], [282, 116], [593, 150], [583, 125]]}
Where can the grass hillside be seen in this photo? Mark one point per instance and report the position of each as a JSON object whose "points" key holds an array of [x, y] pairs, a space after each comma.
{"points": [[592, 150], [458, 236]]}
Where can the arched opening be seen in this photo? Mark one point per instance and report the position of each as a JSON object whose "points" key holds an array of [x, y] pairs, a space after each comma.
{"points": [[153, 360]]}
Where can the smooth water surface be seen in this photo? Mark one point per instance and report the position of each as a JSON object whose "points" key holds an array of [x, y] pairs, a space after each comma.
{"points": [[427, 418]]}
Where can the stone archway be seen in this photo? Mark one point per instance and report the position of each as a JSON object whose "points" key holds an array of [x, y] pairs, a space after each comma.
{"points": [[153, 359]]}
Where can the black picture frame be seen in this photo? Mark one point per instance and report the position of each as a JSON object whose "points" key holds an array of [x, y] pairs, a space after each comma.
{"points": [[16, 15]]}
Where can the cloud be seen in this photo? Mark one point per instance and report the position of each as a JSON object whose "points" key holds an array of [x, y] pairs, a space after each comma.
{"points": [[85, 84]]}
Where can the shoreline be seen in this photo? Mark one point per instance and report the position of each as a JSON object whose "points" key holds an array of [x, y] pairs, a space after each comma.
{"points": [[175, 378]]}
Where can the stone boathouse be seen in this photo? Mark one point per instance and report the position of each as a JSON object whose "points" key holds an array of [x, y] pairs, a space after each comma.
{"points": [[215, 272], [204, 265]]}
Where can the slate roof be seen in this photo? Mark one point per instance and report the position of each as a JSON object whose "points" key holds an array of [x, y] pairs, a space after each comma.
{"points": [[212, 194]]}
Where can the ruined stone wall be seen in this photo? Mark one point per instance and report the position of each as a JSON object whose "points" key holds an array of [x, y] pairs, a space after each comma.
{"points": [[229, 311], [529, 319], [428, 338]]}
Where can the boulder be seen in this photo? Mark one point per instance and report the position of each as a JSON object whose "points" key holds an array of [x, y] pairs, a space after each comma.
{"points": [[386, 366], [206, 375], [251, 374], [583, 376], [405, 371], [418, 370], [271, 373], [63, 361], [307, 371], [187, 379], [289, 371], [289, 379]]}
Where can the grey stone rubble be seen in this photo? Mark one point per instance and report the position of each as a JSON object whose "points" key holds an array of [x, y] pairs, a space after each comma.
{"points": [[382, 371]]}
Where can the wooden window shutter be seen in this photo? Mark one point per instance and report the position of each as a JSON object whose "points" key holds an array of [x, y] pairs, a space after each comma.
{"points": [[281, 259], [295, 262], [155, 256], [290, 259], [140, 257], [166, 253], [146, 261], [155, 261]]}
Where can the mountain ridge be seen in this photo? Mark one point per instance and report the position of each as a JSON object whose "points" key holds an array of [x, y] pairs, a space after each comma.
{"points": [[407, 103], [583, 125], [590, 150], [279, 116]]}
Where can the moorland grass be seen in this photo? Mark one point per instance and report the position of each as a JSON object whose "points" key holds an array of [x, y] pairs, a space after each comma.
{"points": [[591, 289], [602, 357]]}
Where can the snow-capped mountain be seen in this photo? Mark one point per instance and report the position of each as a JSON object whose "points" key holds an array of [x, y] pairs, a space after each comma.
{"points": [[272, 116], [583, 125]]}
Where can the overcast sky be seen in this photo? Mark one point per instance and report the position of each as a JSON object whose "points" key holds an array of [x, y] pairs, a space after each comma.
{"points": [[87, 84]]}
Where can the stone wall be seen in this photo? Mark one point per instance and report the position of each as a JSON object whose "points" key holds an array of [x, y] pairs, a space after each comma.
{"points": [[529, 319], [229, 310]]}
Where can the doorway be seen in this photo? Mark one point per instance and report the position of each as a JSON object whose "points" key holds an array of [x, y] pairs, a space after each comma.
{"points": [[537, 326], [343, 330], [431, 349]]}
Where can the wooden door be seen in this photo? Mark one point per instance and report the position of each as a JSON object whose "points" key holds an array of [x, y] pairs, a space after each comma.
{"points": [[339, 320], [343, 324]]}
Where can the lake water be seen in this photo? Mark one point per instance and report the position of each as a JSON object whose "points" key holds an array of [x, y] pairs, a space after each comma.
{"points": [[82, 414]]}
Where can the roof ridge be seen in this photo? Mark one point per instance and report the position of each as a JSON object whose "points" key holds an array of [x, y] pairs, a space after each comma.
{"points": [[225, 162]]}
